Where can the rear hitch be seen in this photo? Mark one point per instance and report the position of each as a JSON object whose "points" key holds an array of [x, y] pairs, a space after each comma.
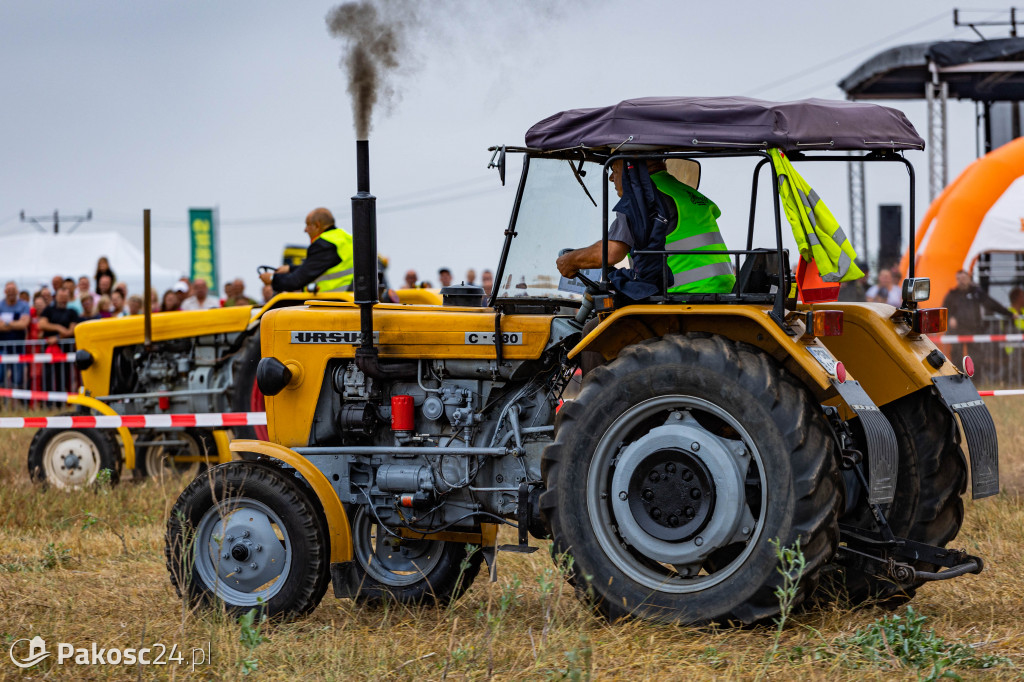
{"points": [[873, 553]]}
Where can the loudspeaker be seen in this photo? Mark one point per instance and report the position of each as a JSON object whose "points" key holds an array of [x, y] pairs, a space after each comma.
{"points": [[890, 234]]}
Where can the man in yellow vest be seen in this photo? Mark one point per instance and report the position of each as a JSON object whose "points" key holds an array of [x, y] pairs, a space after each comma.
{"points": [[328, 262], [691, 226]]}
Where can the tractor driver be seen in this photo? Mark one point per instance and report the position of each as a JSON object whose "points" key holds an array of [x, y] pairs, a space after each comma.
{"points": [[679, 218], [328, 262]]}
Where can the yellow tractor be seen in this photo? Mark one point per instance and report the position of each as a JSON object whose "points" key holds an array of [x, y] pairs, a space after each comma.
{"points": [[197, 361], [708, 430]]}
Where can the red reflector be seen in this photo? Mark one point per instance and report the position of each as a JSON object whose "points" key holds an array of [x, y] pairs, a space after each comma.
{"points": [[930, 320], [841, 372], [406, 500], [968, 366], [401, 413], [164, 402]]}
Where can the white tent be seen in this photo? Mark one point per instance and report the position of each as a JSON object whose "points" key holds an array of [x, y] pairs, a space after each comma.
{"points": [[33, 259]]}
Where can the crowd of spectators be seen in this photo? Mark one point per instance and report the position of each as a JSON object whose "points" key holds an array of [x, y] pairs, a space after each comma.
{"points": [[52, 312], [444, 277]]}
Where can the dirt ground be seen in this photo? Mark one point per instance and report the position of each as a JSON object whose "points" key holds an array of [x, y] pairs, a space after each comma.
{"points": [[87, 566]]}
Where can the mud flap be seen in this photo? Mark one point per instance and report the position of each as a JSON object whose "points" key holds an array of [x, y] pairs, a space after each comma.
{"points": [[882, 451], [959, 394]]}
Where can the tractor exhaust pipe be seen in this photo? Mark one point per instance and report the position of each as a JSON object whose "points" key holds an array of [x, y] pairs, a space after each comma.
{"points": [[364, 244], [364, 276]]}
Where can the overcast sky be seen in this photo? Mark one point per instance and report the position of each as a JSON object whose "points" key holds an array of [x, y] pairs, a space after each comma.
{"points": [[121, 106]]}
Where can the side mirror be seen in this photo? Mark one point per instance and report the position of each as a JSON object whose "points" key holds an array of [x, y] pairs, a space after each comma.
{"points": [[499, 153]]}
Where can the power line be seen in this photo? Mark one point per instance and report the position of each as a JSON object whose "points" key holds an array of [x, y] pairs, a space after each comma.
{"points": [[846, 55]]}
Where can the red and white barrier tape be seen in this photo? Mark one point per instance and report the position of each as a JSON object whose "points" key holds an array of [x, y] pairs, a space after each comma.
{"points": [[138, 421], [36, 358], [24, 394], [978, 338], [1001, 392]]}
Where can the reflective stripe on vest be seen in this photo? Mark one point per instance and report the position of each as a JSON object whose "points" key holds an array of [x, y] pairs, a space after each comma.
{"points": [[818, 235], [338, 278], [695, 272]]}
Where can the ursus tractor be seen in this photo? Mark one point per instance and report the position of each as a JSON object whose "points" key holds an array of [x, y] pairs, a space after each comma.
{"points": [[709, 430]]}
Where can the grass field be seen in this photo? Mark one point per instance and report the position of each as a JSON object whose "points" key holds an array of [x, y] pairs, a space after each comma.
{"points": [[87, 566]]}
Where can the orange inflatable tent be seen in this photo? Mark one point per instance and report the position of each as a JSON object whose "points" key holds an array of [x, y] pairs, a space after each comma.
{"points": [[981, 211]]}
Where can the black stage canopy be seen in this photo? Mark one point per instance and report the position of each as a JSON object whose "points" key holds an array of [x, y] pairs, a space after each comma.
{"points": [[986, 71]]}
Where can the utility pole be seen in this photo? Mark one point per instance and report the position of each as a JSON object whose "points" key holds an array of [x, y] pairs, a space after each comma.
{"points": [[79, 219]]}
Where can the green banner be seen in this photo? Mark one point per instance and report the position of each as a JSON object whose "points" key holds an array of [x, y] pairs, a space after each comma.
{"points": [[203, 228]]}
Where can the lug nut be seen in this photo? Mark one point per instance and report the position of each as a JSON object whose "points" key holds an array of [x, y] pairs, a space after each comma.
{"points": [[687, 475], [695, 446], [670, 468], [648, 494], [259, 548], [623, 495], [690, 513], [238, 569], [745, 530], [227, 555], [673, 520], [253, 566], [698, 541], [245, 533], [695, 493], [229, 538], [655, 476], [656, 513]]}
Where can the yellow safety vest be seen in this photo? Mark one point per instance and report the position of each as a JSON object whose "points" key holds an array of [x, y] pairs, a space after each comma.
{"points": [[338, 278], [696, 230], [817, 233]]}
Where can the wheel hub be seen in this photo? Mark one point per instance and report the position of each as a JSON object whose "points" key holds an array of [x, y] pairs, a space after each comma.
{"points": [[72, 461], [651, 505], [676, 494], [245, 557]]}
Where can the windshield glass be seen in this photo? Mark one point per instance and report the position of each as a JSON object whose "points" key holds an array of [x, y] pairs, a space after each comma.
{"points": [[554, 214]]}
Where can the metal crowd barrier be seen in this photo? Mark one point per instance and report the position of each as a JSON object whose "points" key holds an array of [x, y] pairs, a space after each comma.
{"points": [[35, 376], [998, 363]]}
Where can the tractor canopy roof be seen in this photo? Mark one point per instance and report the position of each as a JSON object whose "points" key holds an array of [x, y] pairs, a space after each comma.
{"points": [[724, 123]]}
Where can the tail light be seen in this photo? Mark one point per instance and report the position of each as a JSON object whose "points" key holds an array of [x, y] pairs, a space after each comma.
{"points": [[929, 320], [824, 323]]}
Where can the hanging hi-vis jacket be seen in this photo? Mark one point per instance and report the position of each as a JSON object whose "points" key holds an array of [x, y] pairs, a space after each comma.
{"points": [[339, 277], [818, 235]]}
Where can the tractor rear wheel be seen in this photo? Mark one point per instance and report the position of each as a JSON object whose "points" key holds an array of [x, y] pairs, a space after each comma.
{"points": [[158, 460], [673, 472], [245, 394], [928, 506], [408, 571], [248, 535]]}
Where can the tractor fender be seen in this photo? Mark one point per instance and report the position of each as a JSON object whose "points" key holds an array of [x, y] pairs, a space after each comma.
{"points": [[745, 323], [338, 529], [878, 347]]}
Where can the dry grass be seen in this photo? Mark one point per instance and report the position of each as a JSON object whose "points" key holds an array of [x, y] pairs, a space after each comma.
{"points": [[88, 566]]}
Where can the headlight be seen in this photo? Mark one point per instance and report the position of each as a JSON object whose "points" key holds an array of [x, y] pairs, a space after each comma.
{"points": [[272, 376], [917, 289], [83, 359]]}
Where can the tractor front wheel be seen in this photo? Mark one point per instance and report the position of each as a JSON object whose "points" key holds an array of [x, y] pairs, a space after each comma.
{"points": [[72, 458], [249, 536]]}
